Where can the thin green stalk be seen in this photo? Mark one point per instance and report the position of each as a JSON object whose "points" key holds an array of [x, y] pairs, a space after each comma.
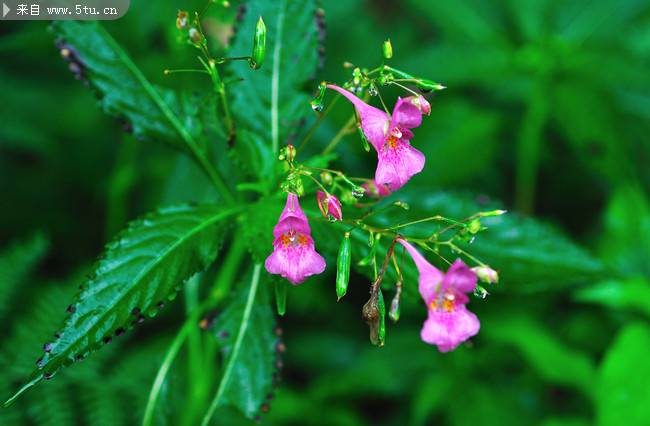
{"points": [[225, 379], [217, 180], [194, 349], [339, 136], [275, 82]]}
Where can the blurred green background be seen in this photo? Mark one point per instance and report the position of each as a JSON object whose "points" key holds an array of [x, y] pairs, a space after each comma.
{"points": [[547, 109]]}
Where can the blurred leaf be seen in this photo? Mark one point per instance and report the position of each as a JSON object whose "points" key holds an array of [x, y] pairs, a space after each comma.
{"points": [[632, 294], [551, 358], [269, 106], [246, 336], [125, 93], [623, 392], [17, 262], [565, 421], [145, 265], [626, 240]]}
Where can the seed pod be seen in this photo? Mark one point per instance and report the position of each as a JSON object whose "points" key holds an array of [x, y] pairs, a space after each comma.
{"points": [[195, 36], [428, 85], [370, 314], [182, 20], [387, 49], [281, 296], [394, 312], [381, 333], [343, 266], [259, 45], [474, 226]]}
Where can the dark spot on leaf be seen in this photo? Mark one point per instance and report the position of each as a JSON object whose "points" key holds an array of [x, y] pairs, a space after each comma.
{"points": [[71, 309], [135, 311], [57, 335]]}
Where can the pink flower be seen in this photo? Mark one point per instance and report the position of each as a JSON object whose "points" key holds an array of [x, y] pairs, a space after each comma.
{"points": [[449, 323], [294, 256], [329, 205], [390, 136], [374, 190]]}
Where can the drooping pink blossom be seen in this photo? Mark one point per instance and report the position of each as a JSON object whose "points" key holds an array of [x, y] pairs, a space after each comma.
{"points": [[448, 322], [397, 161], [294, 254], [329, 205]]}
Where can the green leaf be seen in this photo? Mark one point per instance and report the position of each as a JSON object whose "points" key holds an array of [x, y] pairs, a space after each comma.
{"points": [[152, 113], [623, 394], [16, 263], [551, 358], [245, 333], [271, 103], [143, 266], [631, 294]]}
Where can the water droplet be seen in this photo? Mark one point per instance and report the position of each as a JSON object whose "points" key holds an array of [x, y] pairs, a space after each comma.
{"points": [[140, 319], [135, 311], [161, 305], [40, 362], [47, 375], [47, 347], [281, 347], [79, 357], [278, 331], [119, 331], [57, 335], [107, 340], [71, 309]]}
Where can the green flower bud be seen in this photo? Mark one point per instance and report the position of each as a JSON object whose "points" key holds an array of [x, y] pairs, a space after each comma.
{"points": [[195, 36], [281, 296], [474, 226], [317, 102], [387, 49], [343, 266], [259, 45], [394, 312], [428, 85], [326, 178]]}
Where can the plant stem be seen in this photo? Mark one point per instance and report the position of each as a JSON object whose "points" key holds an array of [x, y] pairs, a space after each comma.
{"points": [[237, 346], [337, 138]]}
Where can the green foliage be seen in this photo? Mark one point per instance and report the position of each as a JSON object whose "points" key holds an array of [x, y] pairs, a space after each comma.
{"points": [[151, 113], [624, 397], [141, 269], [271, 104], [247, 341]]}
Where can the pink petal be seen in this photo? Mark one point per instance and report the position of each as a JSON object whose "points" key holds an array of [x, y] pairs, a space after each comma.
{"points": [[292, 218], [459, 277], [447, 330], [406, 115], [374, 122], [430, 277], [395, 166], [421, 103], [295, 263]]}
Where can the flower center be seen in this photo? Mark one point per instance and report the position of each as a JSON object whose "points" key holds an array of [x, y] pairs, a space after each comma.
{"points": [[293, 239], [444, 302], [395, 136]]}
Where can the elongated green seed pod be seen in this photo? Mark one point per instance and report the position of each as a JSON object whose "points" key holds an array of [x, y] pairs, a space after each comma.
{"points": [[382, 319], [259, 45], [343, 266]]}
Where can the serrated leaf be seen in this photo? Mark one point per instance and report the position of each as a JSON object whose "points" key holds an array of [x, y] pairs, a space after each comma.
{"points": [[271, 102], [623, 395], [146, 264], [152, 112], [530, 255], [245, 333]]}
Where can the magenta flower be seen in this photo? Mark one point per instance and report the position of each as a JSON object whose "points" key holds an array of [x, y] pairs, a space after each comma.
{"points": [[294, 256], [390, 136], [329, 205], [449, 323]]}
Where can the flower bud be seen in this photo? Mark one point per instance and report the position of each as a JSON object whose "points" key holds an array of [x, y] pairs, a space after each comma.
{"points": [[317, 102], [182, 20], [381, 333], [486, 274], [259, 45], [428, 85], [343, 262], [326, 178], [195, 36], [474, 226], [329, 206], [387, 49], [394, 312], [422, 104]]}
